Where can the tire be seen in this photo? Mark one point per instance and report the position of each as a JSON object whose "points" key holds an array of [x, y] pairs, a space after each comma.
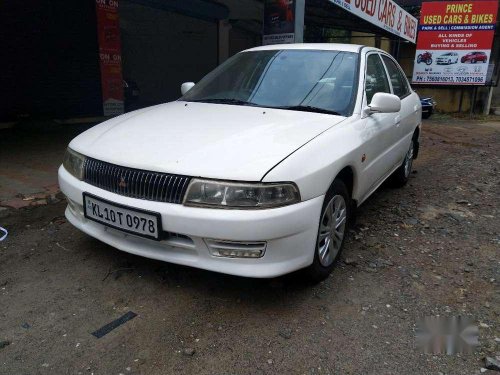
{"points": [[401, 175], [428, 61], [329, 244], [426, 115], [419, 59], [473, 61]]}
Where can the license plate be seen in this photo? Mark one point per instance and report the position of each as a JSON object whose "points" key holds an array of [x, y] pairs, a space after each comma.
{"points": [[127, 219]]}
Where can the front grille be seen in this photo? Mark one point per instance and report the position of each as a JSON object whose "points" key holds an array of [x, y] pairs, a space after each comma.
{"points": [[135, 183]]}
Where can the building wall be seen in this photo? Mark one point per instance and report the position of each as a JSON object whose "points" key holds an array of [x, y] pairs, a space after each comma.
{"points": [[369, 39], [495, 102], [240, 40], [163, 49], [50, 60]]}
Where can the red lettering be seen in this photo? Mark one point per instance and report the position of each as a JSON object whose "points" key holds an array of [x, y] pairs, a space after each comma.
{"points": [[367, 6], [410, 27]]}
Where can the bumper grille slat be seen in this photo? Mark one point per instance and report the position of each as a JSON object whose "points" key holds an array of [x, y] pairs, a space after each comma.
{"points": [[135, 183]]}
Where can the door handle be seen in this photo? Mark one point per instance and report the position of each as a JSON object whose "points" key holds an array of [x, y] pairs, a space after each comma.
{"points": [[397, 120]]}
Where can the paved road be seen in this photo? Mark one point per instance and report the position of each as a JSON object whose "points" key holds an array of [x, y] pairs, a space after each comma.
{"points": [[427, 249]]}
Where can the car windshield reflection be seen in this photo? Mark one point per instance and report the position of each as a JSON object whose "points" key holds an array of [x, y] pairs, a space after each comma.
{"points": [[303, 80]]}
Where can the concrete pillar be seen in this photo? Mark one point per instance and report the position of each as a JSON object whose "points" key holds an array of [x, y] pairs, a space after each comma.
{"points": [[487, 105], [300, 10]]}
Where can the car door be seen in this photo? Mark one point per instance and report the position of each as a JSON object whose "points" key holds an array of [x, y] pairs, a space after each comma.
{"points": [[379, 135], [409, 114]]}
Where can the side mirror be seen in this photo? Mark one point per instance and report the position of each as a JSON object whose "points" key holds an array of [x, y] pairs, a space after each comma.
{"points": [[384, 103], [186, 86]]}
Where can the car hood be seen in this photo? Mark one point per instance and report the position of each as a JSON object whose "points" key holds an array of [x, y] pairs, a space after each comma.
{"points": [[203, 140]]}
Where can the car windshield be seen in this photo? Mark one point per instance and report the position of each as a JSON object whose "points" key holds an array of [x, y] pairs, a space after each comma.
{"points": [[303, 80]]}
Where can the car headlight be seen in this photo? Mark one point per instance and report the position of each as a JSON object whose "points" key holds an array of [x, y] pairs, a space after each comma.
{"points": [[221, 194], [73, 162]]}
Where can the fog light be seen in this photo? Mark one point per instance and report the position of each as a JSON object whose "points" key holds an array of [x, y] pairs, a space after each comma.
{"points": [[236, 249]]}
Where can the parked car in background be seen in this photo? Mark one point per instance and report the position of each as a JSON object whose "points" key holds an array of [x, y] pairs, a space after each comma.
{"points": [[474, 57], [428, 105], [447, 58], [249, 173]]}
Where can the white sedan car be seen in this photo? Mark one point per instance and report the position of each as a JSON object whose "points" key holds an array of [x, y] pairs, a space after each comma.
{"points": [[447, 58], [257, 169]]}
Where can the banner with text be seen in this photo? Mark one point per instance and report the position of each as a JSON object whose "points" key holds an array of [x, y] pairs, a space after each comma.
{"points": [[385, 14], [110, 58], [454, 42], [283, 21]]}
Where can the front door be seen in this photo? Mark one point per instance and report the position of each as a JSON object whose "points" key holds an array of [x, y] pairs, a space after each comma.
{"points": [[380, 134]]}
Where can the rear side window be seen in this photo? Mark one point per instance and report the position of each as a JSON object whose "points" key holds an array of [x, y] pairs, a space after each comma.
{"points": [[398, 80], [376, 78]]}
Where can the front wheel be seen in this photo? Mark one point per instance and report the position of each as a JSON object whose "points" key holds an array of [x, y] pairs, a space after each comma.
{"points": [[334, 220], [428, 61], [401, 176]]}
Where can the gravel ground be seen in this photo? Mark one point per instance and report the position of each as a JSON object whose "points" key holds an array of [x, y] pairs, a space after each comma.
{"points": [[431, 248]]}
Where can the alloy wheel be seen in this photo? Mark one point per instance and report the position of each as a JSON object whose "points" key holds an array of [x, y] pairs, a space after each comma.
{"points": [[409, 160], [332, 230]]}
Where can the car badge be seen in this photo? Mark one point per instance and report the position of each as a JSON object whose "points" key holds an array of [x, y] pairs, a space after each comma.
{"points": [[122, 183]]}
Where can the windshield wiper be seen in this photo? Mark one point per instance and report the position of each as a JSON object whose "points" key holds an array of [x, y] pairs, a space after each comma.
{"points": [[223, 101], [308, 108]]}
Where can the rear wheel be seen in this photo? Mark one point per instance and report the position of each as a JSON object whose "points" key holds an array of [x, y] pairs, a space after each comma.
{"points": [[473, 61], [334, 220], [401, 176]]}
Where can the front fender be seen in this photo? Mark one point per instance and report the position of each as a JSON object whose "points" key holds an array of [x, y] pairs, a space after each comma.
{"points": [[314, 166]]}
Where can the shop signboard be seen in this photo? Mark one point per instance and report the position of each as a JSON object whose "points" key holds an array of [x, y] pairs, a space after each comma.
{"points": [[283, 21], [385, 14], [454, 42], [108, 35]]}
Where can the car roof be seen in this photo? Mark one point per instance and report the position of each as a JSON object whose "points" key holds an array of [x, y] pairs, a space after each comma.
{"points": [[314, 46]]}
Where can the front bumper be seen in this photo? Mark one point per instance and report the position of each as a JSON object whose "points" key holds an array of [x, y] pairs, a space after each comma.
{"points": [[290, 232]]}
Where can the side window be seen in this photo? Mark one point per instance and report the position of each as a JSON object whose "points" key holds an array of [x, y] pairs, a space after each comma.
{"points": [[376, 78], [399, 82]]}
